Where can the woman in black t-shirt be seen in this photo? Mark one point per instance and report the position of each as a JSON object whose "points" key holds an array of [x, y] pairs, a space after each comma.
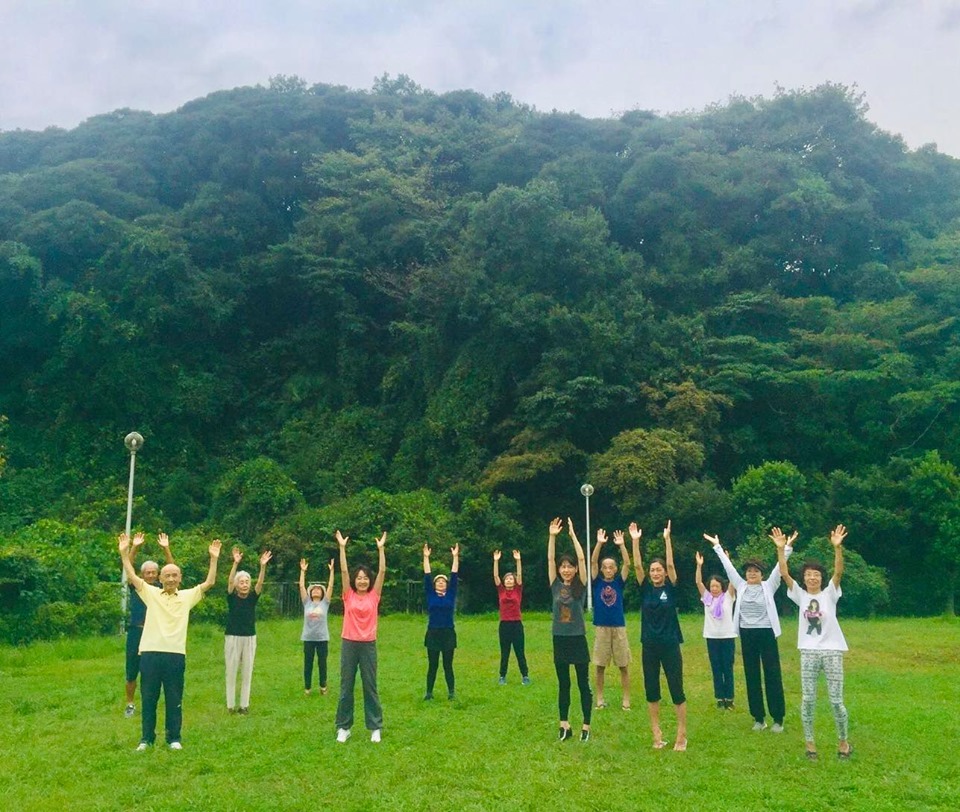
{"points": [[660, 637]]}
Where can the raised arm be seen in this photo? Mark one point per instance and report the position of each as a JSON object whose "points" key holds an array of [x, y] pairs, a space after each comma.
{"points": [[496, 567], [595, 555], [265, 556], [136, 544], [344, 571], [214, 550], [555, 527], [620, 542], [780, 540], [303, 580], [836, 539], [164, 541], [581, 558], [733, 576], [231, 577], [426, 559], [123, 545], [519, 574], [329, 590], [382, 572], [699, 576], [671, 570], [455, 552], [635, 533]]}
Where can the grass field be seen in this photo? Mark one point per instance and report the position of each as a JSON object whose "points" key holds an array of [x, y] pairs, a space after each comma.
{"points": [[64, 743]]}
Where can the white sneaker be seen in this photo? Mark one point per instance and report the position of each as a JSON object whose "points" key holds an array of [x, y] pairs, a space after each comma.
{"points": [[129, 711], [375, 736], [176, 746], [776, 727], [142, 747], [343, 734], [759, 725]]}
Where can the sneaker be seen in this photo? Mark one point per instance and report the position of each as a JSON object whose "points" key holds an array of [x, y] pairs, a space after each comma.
{"points": [[502, 681], [776, 727], [129, 711], [728, 704], [584, 735], [231, 710], [142, 746], [759, 726], [451, 696], [375, 736], [176, 746], [428, 696], [565, 733], [721, 704], [243, 711], [343, 734], [525, 681], [323, 690]]}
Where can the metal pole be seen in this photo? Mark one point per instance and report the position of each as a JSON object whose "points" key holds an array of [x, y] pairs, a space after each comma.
{"points": [[134, 442], [587, 491]]}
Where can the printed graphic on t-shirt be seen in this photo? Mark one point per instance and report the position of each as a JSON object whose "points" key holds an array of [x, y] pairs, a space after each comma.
{"points": [[813, 616], [608, 595], [566, 596]]}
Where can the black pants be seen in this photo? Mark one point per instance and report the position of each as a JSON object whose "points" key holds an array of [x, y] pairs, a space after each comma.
{"points": [[759, 650], [433, 661], [583, 683], [721, 653], [511, 634], [655, 655], [318, 649], [160, 669]]}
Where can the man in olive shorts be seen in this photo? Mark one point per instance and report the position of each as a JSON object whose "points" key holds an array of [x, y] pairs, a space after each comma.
{"points": [[610, 627]]}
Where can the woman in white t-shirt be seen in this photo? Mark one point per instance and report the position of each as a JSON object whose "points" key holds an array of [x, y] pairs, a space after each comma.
{"points": [[820, 638], [717, 599]]}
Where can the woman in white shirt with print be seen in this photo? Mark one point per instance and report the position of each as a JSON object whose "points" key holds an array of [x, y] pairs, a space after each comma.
{"points": [[820, 638]]}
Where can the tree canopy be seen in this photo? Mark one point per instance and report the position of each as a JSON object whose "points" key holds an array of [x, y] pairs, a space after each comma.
{"points": [[321, 304]]}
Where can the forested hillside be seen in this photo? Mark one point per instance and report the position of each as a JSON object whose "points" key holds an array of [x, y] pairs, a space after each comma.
{"points": [[440, 314]]}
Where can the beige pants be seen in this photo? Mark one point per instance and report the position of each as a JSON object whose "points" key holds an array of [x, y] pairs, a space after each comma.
{"points": [[239, 653]]}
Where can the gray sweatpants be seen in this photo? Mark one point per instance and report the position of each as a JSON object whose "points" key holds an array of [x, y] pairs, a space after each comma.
{"points": [[354, 654]]}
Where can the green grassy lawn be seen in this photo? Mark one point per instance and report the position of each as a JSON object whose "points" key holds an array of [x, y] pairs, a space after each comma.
{"points": [[64, 743]]}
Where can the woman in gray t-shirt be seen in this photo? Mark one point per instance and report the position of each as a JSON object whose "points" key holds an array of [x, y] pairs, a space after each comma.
{"points": [[316, 634], [568, 583]]}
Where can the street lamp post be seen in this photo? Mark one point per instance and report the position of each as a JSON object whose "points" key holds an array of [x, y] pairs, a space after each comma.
{"points": [[587, 491], [134, 442]]}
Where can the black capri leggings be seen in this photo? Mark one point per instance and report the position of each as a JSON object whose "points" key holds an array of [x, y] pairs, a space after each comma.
{"points": [[667, 655]]}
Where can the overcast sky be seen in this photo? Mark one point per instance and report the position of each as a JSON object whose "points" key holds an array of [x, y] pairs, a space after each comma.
{"points": [[62, 61]]}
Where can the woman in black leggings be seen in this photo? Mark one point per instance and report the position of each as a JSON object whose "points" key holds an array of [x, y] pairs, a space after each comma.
{"points": [[568, 582]]}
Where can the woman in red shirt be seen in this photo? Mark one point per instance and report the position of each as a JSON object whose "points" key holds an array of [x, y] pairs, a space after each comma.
{"points": [[510, 594]]}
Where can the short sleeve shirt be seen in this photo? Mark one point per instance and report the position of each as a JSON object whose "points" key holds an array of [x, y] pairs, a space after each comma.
{"points": [[568, 608], [819, 628], [608, 602], [658, 613], [242, 614]]}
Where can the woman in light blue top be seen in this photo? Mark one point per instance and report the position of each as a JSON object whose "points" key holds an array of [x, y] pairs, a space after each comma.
{"points": [[316, 634]]}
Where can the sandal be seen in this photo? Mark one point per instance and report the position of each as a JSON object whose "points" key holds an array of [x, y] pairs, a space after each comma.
{"points": [[845, 755], [601, 705], [680, 746], [812, 755], [659, 744]]}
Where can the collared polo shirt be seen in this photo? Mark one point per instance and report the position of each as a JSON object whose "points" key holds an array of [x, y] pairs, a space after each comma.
{"points": [[165, 628]]}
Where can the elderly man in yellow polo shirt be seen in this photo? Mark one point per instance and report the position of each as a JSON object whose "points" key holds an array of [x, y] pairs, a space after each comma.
{"points": [[163, 646]]}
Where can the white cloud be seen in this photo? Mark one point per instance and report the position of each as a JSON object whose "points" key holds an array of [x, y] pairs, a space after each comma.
{"points": [[64, 60]]}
